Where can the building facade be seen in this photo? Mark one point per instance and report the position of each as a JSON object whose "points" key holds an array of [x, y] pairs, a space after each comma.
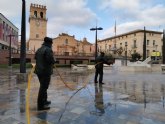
{"points": [[38, 26], [132, 42], [8, 33], [67, 45]]}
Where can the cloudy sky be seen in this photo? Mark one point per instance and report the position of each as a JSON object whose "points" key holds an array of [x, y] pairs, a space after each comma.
{"points": [[76, 17]]}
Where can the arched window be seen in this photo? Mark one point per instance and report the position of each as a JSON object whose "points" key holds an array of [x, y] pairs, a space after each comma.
{"points": [[66, 42], [35, 14], [41, 14]]}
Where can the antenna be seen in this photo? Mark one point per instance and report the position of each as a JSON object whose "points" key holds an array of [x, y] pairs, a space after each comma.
{"points": [[96, 22]]}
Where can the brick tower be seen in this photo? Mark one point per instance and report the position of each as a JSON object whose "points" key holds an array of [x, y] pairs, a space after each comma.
{"points": [[38, 26]]}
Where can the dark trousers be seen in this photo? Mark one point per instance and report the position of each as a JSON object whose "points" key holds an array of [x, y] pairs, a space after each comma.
{"points": [[100, 73], [42, 94]]}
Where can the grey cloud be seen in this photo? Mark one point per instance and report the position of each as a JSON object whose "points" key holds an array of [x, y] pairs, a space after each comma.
{"points": [[71, 12], [145, 14], [66, 14], [10, 8], [119, 4]]}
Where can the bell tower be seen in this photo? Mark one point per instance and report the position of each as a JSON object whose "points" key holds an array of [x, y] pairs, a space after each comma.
{"points": [[38, 26]]}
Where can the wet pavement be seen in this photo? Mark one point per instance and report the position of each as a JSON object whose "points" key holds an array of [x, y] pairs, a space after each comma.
{"points": [[126, 98]]}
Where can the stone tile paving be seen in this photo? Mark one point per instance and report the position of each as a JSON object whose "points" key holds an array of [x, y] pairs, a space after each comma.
{"points": [[126, 98]]}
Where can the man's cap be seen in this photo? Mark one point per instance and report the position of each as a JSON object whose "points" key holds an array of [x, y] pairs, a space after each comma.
{"points": [[48, 40]]}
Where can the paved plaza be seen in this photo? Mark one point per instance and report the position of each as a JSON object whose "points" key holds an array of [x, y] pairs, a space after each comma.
{"points": [[126, 98]]}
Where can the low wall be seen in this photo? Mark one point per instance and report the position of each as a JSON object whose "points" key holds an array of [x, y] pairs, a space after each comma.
{"points": [[4, 56], [156, 67], [153, 68], [135, 68]]}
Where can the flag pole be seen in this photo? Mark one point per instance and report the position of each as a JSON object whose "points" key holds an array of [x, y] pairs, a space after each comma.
{"points": [[115, 35]]}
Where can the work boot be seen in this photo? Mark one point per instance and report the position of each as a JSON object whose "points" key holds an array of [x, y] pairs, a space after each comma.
{"points": [[102, 83], [47, 102], [96, 82]]}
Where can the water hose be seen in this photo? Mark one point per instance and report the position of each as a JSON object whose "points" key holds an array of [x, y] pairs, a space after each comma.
{"points": [[28, 95]]}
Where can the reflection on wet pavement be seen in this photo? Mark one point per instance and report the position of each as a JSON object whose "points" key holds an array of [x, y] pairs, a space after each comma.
{"points": [[126, 98]]}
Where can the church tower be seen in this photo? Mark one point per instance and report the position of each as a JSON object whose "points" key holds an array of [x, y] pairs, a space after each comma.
{"points": [[38, 26]]}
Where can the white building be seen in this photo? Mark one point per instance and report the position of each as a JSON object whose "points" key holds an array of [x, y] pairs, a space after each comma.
{"points": [[8, 28], [132, 42]]}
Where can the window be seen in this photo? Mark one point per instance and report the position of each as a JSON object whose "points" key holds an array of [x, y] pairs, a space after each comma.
{"points": [[7, 27], [151, 34], [115, 45], [153, 42], [156, 47], [148, 42], [148, 52], [37, 35], [3, 47], [134, 43], [35, 14], [41, 14], [100, 48], [125, 43], [135, 34], [3, 25], [66, 42], [3, 36], [109, 47]]}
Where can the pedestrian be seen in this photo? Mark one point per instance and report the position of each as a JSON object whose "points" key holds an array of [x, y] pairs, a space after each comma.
{"points": [[100, 61], [44, 69]]}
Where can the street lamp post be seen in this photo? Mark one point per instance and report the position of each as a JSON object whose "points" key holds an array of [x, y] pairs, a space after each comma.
{"points": [[95, 29], [156, 51], [10, 61], [126, 53], [163, 49], [144, 45], [23, 40], [10, 58]]}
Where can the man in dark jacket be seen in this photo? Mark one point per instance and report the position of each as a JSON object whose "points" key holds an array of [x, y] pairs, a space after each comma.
{"points": [[100, 61], [44, 69]]}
